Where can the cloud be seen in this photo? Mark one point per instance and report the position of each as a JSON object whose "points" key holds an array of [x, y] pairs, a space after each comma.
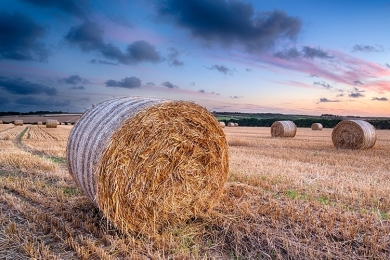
{"points": [[248, 70], [367, 48], [31, 101], [313, 76], [94, 61], [192, 84], [388, 65], [121, 20], [168, 85], [205, 92], [230, 22], [19, 36], [306, 52], [325, 100], [355, 95], [20, 86], [221, 68], [73, 80], [4, 100], [150, 84], [236, 97], [89, 37], [73, 7], [173, 58], [131, 82], [357, 82], [323, 84], [202, 91], [380, 99], [78, 88]]}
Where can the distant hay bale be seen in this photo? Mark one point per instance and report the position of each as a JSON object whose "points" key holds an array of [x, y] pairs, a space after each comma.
{"points": [[283, 129], [39, 123], [1, 122], [148, 163], [18, 122], [222, 124], [354, 134], [316, 126], [51, 123], [235, 124], [231, 124]]}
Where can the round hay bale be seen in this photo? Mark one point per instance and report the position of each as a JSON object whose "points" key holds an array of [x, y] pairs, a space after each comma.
{"points": [[316, 126], [51, 123], [283, 129], [222, 124], [235, 124], [39, 123], [231, 124], [18, 122], [354, 134], [1, 122], [148, 163]]}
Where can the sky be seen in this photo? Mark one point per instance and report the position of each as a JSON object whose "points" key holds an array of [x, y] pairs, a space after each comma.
{"points": [[260, 56]]}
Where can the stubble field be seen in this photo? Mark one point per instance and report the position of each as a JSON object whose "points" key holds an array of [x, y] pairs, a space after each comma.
{"points": [[294, 198]]}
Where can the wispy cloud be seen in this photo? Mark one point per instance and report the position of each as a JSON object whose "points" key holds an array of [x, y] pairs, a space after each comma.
{"points": [[367, 48], [325, 100], [221, 68], [380, 99]]}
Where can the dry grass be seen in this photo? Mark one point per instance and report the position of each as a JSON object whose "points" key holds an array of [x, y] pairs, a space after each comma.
{"points": [[295, 198]]}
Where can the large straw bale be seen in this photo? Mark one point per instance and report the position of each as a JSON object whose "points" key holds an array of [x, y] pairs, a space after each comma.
{"points": [[51, 123], [39, 123], [283, 129], [222, 124], [231, 124], [148, 163], [18, 122], [235, 124], [354, 134], [316, 126]]}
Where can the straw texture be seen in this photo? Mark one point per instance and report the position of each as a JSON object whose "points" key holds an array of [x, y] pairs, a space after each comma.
{"points": [[51, 123], [18, 122], [354, 134], [283, 129], [147, 163], [316, 126]]}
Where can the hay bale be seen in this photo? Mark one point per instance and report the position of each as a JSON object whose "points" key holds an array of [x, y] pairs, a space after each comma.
{"points": [[39, 123], [1, 122], [283, 129], [316, 126], [354, 134], [231, 124], [147, 163], [235, 124], [222, 124], [51, 123], [18, 122]]}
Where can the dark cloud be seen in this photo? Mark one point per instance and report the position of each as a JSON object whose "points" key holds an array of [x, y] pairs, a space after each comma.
{"points": [[131, 82], [325, 100], [309, 52], [229, 22], [83, 99], [306, 52], [288, 54], [323, 84], [340, 95], [202, 91], [192, 84], [89, 37], [388, 65], [358, 82], [380, 99], [357, 90], [355, 95], [248, 70], [221, 68], [20, 86], [168, 85], [73, 7], [173, 58], [94, 61], [367, 48], [236, 97], [313, 76], [78, 88], [19, 36], [73, 80], [150, 84], [31, 101], [121, 20]]}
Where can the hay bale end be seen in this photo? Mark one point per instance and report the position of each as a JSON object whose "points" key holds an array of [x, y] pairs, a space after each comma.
{"points": [[283, 129], [354, 134]]}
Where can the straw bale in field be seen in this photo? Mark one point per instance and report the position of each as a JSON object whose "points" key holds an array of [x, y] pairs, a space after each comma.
{"points": [[316, 126], [148, 163], [235, 124], [283, 129], [231, 124], [222, 124], [18, 122], [354, 134], [51, 123], [1, 122], [39, 123]]}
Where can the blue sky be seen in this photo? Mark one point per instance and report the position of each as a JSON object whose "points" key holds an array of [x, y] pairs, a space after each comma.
{"points": [[279, 56]]}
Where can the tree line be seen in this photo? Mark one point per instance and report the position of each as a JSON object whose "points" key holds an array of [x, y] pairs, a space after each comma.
{"points": [[304, 122]]}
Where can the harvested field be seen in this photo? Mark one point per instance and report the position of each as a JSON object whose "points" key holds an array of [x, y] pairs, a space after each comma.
{"points": [[294, 198]]}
